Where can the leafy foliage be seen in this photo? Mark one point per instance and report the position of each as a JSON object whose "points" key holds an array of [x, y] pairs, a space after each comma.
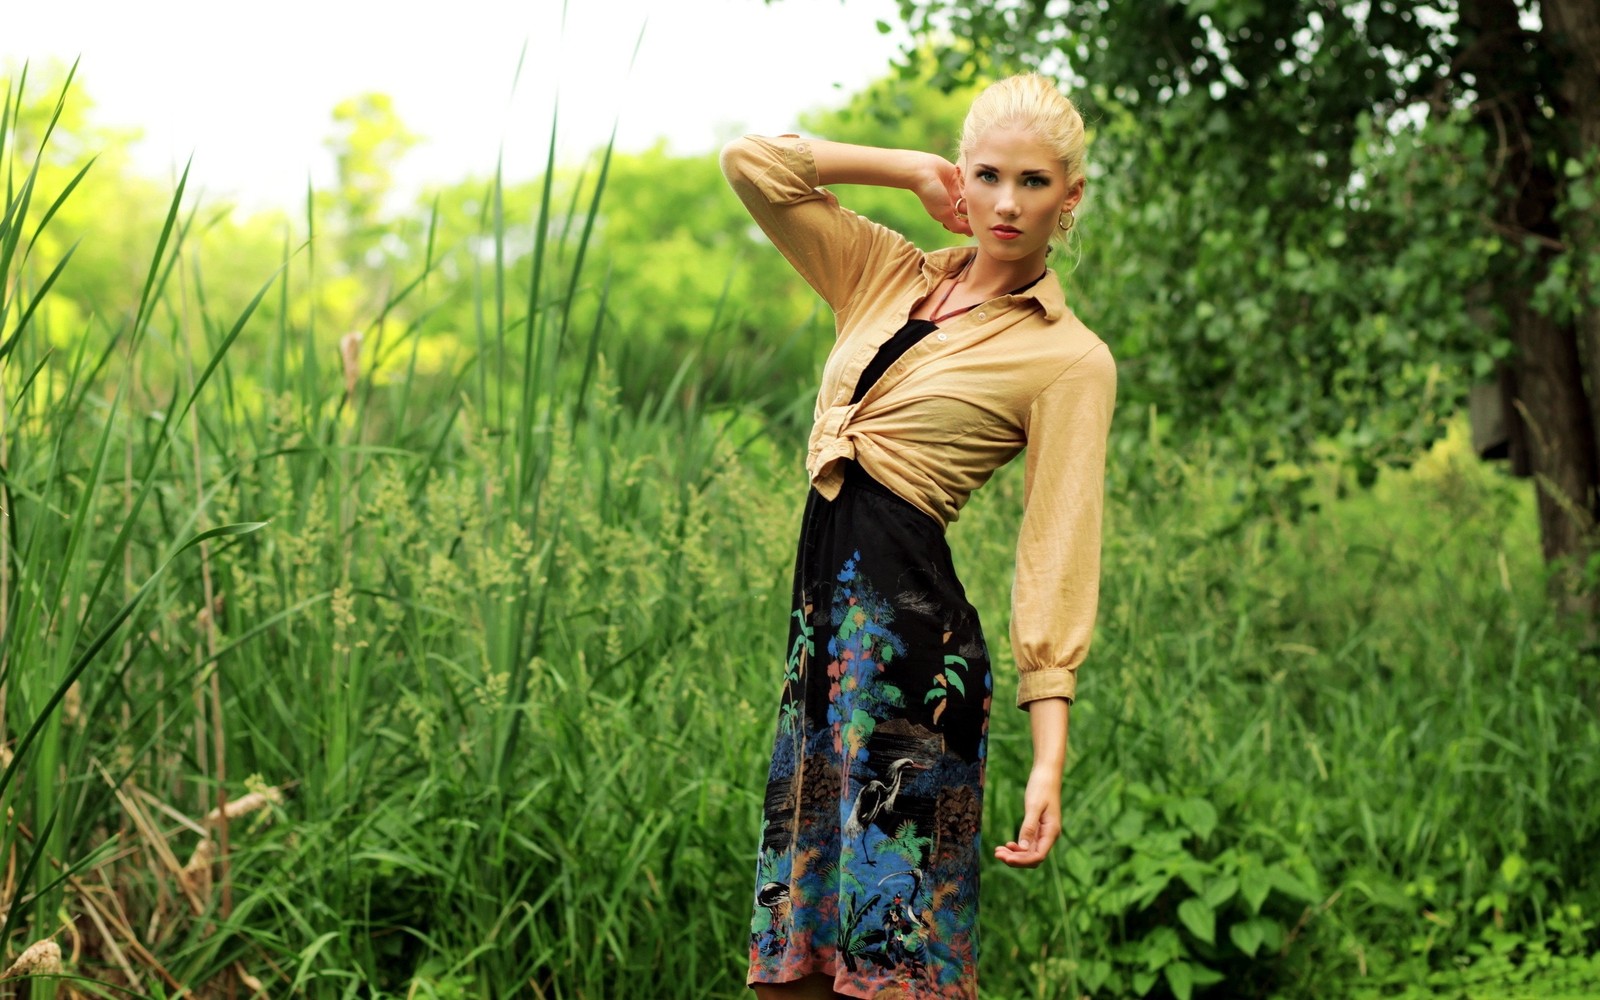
{"points": [[1293, 233], [494, 677]]}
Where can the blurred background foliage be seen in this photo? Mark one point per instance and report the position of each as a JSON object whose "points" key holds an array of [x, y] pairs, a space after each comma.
{"points": [[482, 709]]}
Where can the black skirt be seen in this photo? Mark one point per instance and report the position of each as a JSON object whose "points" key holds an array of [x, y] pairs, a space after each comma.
{"points": [[868, 867]]}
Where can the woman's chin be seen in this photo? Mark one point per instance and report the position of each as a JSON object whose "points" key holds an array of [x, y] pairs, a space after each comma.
{"points": [[1009, 251]]}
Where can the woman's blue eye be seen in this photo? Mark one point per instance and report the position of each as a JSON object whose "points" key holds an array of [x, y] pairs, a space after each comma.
{"points": [[1032, 180]]}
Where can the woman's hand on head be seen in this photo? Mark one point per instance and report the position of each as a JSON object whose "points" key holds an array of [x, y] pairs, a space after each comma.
{"points": [[1041, 821], [939, 187]]}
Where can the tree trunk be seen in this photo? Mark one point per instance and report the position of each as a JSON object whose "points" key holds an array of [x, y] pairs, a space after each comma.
{"points": [[1561, 437], [1516, 86], [1572, 33]]}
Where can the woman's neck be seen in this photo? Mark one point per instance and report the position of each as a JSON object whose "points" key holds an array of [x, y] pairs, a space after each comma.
{"points": [[996, 277]]}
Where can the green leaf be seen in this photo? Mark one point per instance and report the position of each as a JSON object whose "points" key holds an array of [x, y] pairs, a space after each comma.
{"points": [[1193, 874], [1220, 891], [1287, 883], [955, 681], [883, 27], [1180, 978], [1080, 865], [1199, 918], [1512, 867], [1255, 884], [1146, 891], [1142, 981], [1092, 974], [1128, 826], [1246, 936], [933, 693], [1199, 816], [1159, 947], [1258, 933]]}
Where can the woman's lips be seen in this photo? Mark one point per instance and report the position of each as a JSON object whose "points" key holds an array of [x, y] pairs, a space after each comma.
{"points": [[1005, 232]]}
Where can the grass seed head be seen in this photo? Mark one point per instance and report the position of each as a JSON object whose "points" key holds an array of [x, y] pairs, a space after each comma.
{"points": [[72, 705], [41, 958], [350, 355], [246, 804], [196, 873]]}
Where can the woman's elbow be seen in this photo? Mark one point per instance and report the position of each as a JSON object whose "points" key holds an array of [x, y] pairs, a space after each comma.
{"points": [[737, 157]]}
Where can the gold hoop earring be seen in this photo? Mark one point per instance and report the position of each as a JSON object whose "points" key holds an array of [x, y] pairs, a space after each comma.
{"points": [[1067, 221], [961, 213]]}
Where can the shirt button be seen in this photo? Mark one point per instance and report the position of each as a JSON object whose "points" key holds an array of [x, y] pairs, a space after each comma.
{"points": [[983, 315], [840, 397], [943, 338]]}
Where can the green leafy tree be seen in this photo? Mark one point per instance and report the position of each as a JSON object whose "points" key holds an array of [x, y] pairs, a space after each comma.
{"points": [[689, 279], [369, 139], [1326, 218], [122, 211], [112, 217]]}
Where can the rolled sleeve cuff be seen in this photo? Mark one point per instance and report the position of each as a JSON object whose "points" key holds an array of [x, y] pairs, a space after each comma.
{"points": [[1036, 684], [793, 178]]}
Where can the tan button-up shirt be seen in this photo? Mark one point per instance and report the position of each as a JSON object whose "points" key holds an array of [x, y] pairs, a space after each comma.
{"points": [[1018, 370]]}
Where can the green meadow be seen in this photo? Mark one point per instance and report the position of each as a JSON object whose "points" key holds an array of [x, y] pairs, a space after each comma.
{"points": [[394, 604]]}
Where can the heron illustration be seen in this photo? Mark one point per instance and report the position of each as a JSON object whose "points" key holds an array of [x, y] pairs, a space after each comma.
{"points": [[877, 799], [772, 896], [902, 941]]}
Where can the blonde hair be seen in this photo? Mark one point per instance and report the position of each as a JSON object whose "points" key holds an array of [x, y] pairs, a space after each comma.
{"points": [[1033, 104]]}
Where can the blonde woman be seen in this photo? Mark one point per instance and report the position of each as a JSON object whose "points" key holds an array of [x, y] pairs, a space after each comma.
{"points": [[947, 364]]}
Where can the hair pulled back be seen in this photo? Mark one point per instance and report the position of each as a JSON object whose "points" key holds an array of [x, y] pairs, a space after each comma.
{"points": [[1033, 104]]}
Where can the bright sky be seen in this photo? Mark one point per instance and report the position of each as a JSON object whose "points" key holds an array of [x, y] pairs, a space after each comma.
{"points": [[248, 88]]}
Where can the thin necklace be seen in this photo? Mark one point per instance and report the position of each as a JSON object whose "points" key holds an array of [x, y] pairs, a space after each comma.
{"points": [[937, 319]]}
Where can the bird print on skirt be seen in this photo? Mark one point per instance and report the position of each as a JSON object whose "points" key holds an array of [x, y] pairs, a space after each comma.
{"points": [[869, 855]]}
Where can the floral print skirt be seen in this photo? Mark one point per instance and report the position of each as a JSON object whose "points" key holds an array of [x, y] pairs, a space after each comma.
{"points": [[868, 866]]}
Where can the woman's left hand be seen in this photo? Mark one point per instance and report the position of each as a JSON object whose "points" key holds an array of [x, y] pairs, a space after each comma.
{"points": [[1041, 821], [939, 187]]}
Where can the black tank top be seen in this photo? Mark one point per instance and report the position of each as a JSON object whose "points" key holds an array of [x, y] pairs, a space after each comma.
{"points": [[905, 339]]}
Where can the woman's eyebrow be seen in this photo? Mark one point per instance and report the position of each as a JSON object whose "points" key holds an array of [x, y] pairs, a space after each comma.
{"points": [[1035, 170]]}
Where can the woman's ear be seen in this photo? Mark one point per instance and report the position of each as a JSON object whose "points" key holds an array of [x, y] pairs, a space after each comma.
{"points": [[1074, 195]]}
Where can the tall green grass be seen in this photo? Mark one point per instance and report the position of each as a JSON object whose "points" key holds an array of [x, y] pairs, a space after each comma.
{"points": [[316, 681], [372, 665]]}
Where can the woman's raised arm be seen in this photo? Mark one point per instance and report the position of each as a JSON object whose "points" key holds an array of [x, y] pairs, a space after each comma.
{"points": [[780, 180], [935, 180]]}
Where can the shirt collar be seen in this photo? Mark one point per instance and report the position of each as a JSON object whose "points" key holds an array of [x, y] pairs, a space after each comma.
{"points": [[1046, 291]]}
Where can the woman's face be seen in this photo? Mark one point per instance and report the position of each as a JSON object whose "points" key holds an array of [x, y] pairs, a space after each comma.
{"points": [[1016, 191]]}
